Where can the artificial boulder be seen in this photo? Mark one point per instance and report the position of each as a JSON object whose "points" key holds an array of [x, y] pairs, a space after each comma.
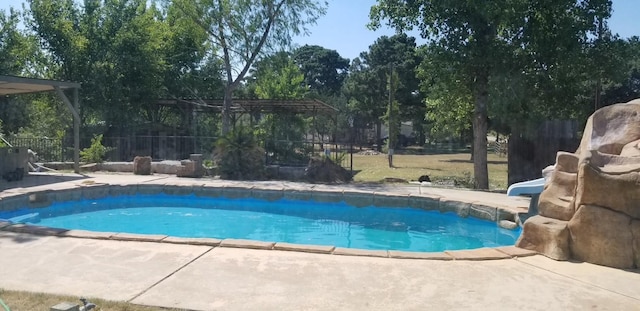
{"points": [[602, 236], [547, 236], [191, 168], [595, 192], [142, 165]]}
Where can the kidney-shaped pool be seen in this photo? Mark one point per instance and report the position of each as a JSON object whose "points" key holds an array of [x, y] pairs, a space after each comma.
{"points": [[291, 221]]}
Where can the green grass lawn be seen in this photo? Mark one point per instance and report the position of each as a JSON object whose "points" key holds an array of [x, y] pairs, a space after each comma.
{"points": [[374, 168]]}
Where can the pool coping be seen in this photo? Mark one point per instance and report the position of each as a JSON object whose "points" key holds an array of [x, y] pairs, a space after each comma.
{"points": [[356, 197]]}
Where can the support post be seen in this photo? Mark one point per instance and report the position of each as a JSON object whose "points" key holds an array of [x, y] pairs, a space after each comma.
{"points": [[75, 111], [76, 132]]}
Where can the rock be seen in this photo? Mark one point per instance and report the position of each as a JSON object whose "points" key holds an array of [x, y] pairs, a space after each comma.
{"points": [[166, 167], [192, 167], [198, 170], [547, 236], [602, 236], [556, 201], [567, 162], [610, 128], [595, 191], [631, 149], [617, 192], [91, 167], [186, 168], [507, 224], [142, 165], [635, 232], [324, 170]]}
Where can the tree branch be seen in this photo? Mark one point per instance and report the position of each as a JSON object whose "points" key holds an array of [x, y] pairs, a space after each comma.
{"points": [[258, 47]]}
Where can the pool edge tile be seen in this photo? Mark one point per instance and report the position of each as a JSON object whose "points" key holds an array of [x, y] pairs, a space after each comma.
{"points": [[84, 234], [121, 236], [420, 255], [305, 248], [478, 254], [239, 243], [515, 251], [360, 252], [192, 241]]}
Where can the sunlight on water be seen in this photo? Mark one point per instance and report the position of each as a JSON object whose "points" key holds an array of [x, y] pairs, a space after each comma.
{"points": [[302, 222]]}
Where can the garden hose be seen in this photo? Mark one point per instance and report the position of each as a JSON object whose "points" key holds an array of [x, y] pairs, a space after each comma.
{"points": [[6, 308]]}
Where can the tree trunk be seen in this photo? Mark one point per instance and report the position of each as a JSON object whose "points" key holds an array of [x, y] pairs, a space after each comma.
{"points": [[378, 134], [226, 110], [481, 98]]}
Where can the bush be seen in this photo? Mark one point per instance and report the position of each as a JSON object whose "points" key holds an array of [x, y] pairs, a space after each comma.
{"points": [[239, 156], [96, 152]]}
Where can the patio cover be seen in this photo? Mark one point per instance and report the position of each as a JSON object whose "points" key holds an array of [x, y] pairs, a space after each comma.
{"points": [[13, 85]]}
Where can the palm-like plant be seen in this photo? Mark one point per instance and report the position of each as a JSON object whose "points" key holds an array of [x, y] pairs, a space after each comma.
{"points": [[239, 156]]}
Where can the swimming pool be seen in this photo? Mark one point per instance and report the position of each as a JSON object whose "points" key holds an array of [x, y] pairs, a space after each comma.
{"points": [[284, 220]]}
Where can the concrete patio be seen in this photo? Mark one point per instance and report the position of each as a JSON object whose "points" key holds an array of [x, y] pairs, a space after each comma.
{"points": [[210, 277]]}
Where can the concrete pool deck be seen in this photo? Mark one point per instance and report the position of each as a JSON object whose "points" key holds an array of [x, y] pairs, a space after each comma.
{"points": [[207, 277]]}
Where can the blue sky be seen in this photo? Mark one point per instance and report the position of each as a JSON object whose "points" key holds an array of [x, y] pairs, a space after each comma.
{"points": [[344, 29]]}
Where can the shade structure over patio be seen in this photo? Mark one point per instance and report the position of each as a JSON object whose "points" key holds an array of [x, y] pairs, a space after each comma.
{"points": [[13, 85]]}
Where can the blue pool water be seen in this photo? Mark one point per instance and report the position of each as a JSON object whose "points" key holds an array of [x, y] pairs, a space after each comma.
{"points": [[302, 222]]}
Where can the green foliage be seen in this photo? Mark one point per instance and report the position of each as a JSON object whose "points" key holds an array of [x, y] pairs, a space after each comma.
{"points": [[471, 42], [282, 133], [239, 156], [283, 138], [126, 54], [367, 84], [242, 30], [283, 82], [324, 70], [96, 152], [18, 49]]}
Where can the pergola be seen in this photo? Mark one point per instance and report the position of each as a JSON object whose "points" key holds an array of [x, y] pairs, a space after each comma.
{"points": [[253, 107], [302, 106], [13, 85]]}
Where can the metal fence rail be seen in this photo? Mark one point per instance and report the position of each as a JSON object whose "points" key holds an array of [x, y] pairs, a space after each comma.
{"points": [[47, 149], [281, 152], [158, 147]]}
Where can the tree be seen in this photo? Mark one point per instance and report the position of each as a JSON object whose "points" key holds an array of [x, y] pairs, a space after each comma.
{"points": [[367, 85], [400, 51], [477, 39], [282, 132], [243, 29], [18, 50], [366, 90], [324, 70], [127, 54]]}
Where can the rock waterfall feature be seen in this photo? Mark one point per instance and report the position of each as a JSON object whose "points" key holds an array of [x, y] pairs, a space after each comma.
{"points": [[589, 209]]}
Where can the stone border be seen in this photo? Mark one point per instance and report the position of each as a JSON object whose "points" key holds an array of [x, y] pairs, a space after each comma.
{"points": [[503, 252], [39, 199], [35, 199]]}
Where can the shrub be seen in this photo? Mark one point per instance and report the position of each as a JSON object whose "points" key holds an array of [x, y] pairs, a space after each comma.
{"points": [[239, 156], [96, 152]]}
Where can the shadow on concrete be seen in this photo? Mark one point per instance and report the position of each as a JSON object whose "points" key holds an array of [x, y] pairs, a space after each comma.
{"points": [[19, 238]]}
